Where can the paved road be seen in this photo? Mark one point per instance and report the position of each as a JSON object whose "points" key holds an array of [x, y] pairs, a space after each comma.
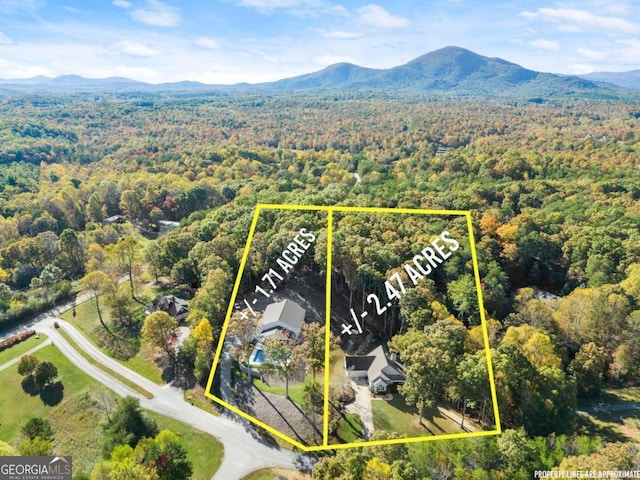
{"points": [[243, 452]]}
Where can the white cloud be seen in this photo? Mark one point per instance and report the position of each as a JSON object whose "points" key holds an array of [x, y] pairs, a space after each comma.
{"points": [[4, 40], [542, 44], [341, 34], [629, 54], [207, 42], [583, 18], [302, 8], [157, 13], [12, 6], [274, 4], [75, 10], [591, 54], [134, 49], [122, 3], [563, 27], [326, 60], [581, 68], [139, 73], [17, 70], [375, 16], [617, 56]]}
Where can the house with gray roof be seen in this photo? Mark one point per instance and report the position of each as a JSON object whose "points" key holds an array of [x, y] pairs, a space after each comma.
{"points": [[381, 370], [174, 306], [283, 315]]}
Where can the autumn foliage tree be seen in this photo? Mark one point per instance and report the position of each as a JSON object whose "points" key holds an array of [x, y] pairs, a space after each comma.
{"points": [[160, 330]]}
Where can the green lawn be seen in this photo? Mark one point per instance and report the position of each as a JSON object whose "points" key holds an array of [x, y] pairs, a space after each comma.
{"points": [[86, 320], [296, 390], [616, 426], [16, 407], [20, 348], [349, 429], [77, 426], [612, 396], [104, 368], [395, 416], [77, 418], [197, 398], [204, 451]]}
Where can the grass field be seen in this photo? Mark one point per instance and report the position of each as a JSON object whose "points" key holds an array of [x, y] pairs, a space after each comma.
{"points": [[86, 320], [277, 474], [16, 407], [337, 375], [77, 419], [612, 396], [395, 416], [197, 398], [296, 390], [620, 425], [204, 451], [104, 368], [617, 426], [22, 347], [349, 429]]}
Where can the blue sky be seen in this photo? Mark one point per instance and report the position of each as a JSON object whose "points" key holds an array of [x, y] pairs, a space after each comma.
{"points": [[229, 41]]}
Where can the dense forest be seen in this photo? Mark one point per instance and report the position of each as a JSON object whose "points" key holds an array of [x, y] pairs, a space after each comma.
{"points": [[552, 187]]}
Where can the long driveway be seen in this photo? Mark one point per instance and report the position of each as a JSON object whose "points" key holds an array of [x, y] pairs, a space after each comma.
{"points": [[243, 452]]}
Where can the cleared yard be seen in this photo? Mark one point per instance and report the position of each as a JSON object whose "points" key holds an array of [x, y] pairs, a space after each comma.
{"points": [[394, 416], [349, 430], [612, 396], [277, 474], [617, 426]]}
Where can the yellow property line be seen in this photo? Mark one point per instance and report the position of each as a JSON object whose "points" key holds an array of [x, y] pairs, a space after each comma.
{"points": [[483, 320], [327, 331], [330, 209]]}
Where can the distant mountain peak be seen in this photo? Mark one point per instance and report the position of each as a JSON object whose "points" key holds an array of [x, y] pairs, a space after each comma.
{"points": [[630, 79], [450, 70]]}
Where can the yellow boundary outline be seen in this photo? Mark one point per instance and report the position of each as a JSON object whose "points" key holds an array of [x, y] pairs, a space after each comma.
{"points": [[325, 433]]}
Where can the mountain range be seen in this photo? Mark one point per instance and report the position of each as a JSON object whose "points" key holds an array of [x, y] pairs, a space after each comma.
{"points": [[451, 71]]}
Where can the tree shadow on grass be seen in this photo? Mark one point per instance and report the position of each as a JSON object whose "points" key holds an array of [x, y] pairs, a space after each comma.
{"points": [[284, 419], [29, 386], [52, 394], [306, 415], [168, 368]]}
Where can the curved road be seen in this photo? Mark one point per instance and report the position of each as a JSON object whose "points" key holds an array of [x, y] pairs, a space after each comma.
{"points": [[243, 453]]}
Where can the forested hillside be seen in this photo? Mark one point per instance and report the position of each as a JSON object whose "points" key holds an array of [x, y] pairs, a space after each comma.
{"points": [[553, 189]]}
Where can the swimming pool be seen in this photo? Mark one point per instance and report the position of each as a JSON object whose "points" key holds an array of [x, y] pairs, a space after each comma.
{"points": [[257, 356]]}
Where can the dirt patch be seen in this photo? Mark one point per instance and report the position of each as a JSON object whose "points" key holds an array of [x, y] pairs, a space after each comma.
{"points": [[290, 474], [281, 414]]}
